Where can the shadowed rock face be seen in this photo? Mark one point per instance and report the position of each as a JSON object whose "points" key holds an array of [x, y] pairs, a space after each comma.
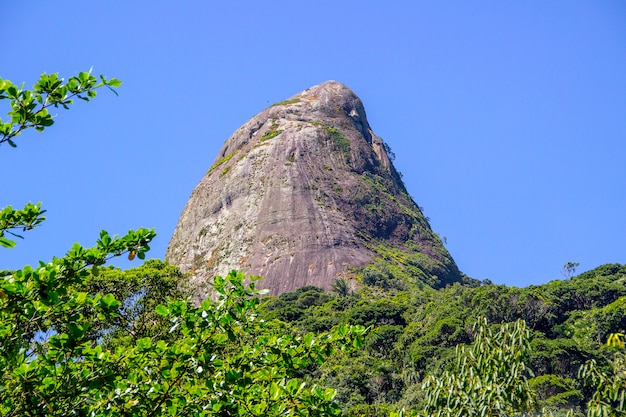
{"points": [[302, 194]]}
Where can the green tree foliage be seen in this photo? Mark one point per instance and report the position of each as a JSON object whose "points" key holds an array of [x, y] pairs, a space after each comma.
{"points": [[340, 287], [416, 331], [363, 383], [569, 269], [380, 276], [139, 291], [609, 396], [566, 318], [12, 221], [377, 312], [490, 376], [29, 108], [292, 306], [216, 359], [555, 392]]}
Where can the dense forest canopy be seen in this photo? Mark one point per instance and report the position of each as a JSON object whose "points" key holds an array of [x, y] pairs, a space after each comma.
{"points": [[415, 333]]}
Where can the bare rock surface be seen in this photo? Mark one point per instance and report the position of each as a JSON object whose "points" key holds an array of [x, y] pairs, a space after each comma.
{"points": [[302, 194]]}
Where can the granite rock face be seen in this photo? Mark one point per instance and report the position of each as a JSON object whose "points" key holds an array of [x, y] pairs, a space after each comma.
{"points": [[302, 194]]}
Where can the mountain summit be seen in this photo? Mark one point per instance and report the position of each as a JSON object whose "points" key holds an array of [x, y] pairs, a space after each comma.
{"points": [[302, 194]]}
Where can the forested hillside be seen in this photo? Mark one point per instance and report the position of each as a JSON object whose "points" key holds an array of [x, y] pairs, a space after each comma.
{"points": [[402, 361], [415, 332]]}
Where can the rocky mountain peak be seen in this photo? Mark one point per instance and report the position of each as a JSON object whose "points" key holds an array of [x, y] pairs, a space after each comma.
{"points": [[302, 194]]}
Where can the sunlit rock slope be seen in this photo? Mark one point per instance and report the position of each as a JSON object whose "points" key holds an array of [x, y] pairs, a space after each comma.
{"points": [[302, 194]]}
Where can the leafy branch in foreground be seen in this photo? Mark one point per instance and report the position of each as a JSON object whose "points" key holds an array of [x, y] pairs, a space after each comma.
{"points": [[216, 359], [609, 397], [29, 108], [12, 220]]}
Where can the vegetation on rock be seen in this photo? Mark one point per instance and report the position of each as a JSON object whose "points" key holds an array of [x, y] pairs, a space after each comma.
{"points": [[312, 195], [286, 102]]}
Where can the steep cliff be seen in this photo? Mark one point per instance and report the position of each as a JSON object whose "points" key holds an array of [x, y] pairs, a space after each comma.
{"points": [[302, 194]]}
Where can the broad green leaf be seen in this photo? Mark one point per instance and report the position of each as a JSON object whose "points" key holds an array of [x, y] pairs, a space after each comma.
{"points": [[110, 301], [7, 243], [162, 310], [114, 82]]}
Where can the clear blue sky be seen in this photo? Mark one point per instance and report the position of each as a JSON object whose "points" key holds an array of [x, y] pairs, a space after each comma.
{"points": [[508, 119]]}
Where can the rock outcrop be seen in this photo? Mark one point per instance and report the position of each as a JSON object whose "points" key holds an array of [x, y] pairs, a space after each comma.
{"points": [[302, 194]]}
